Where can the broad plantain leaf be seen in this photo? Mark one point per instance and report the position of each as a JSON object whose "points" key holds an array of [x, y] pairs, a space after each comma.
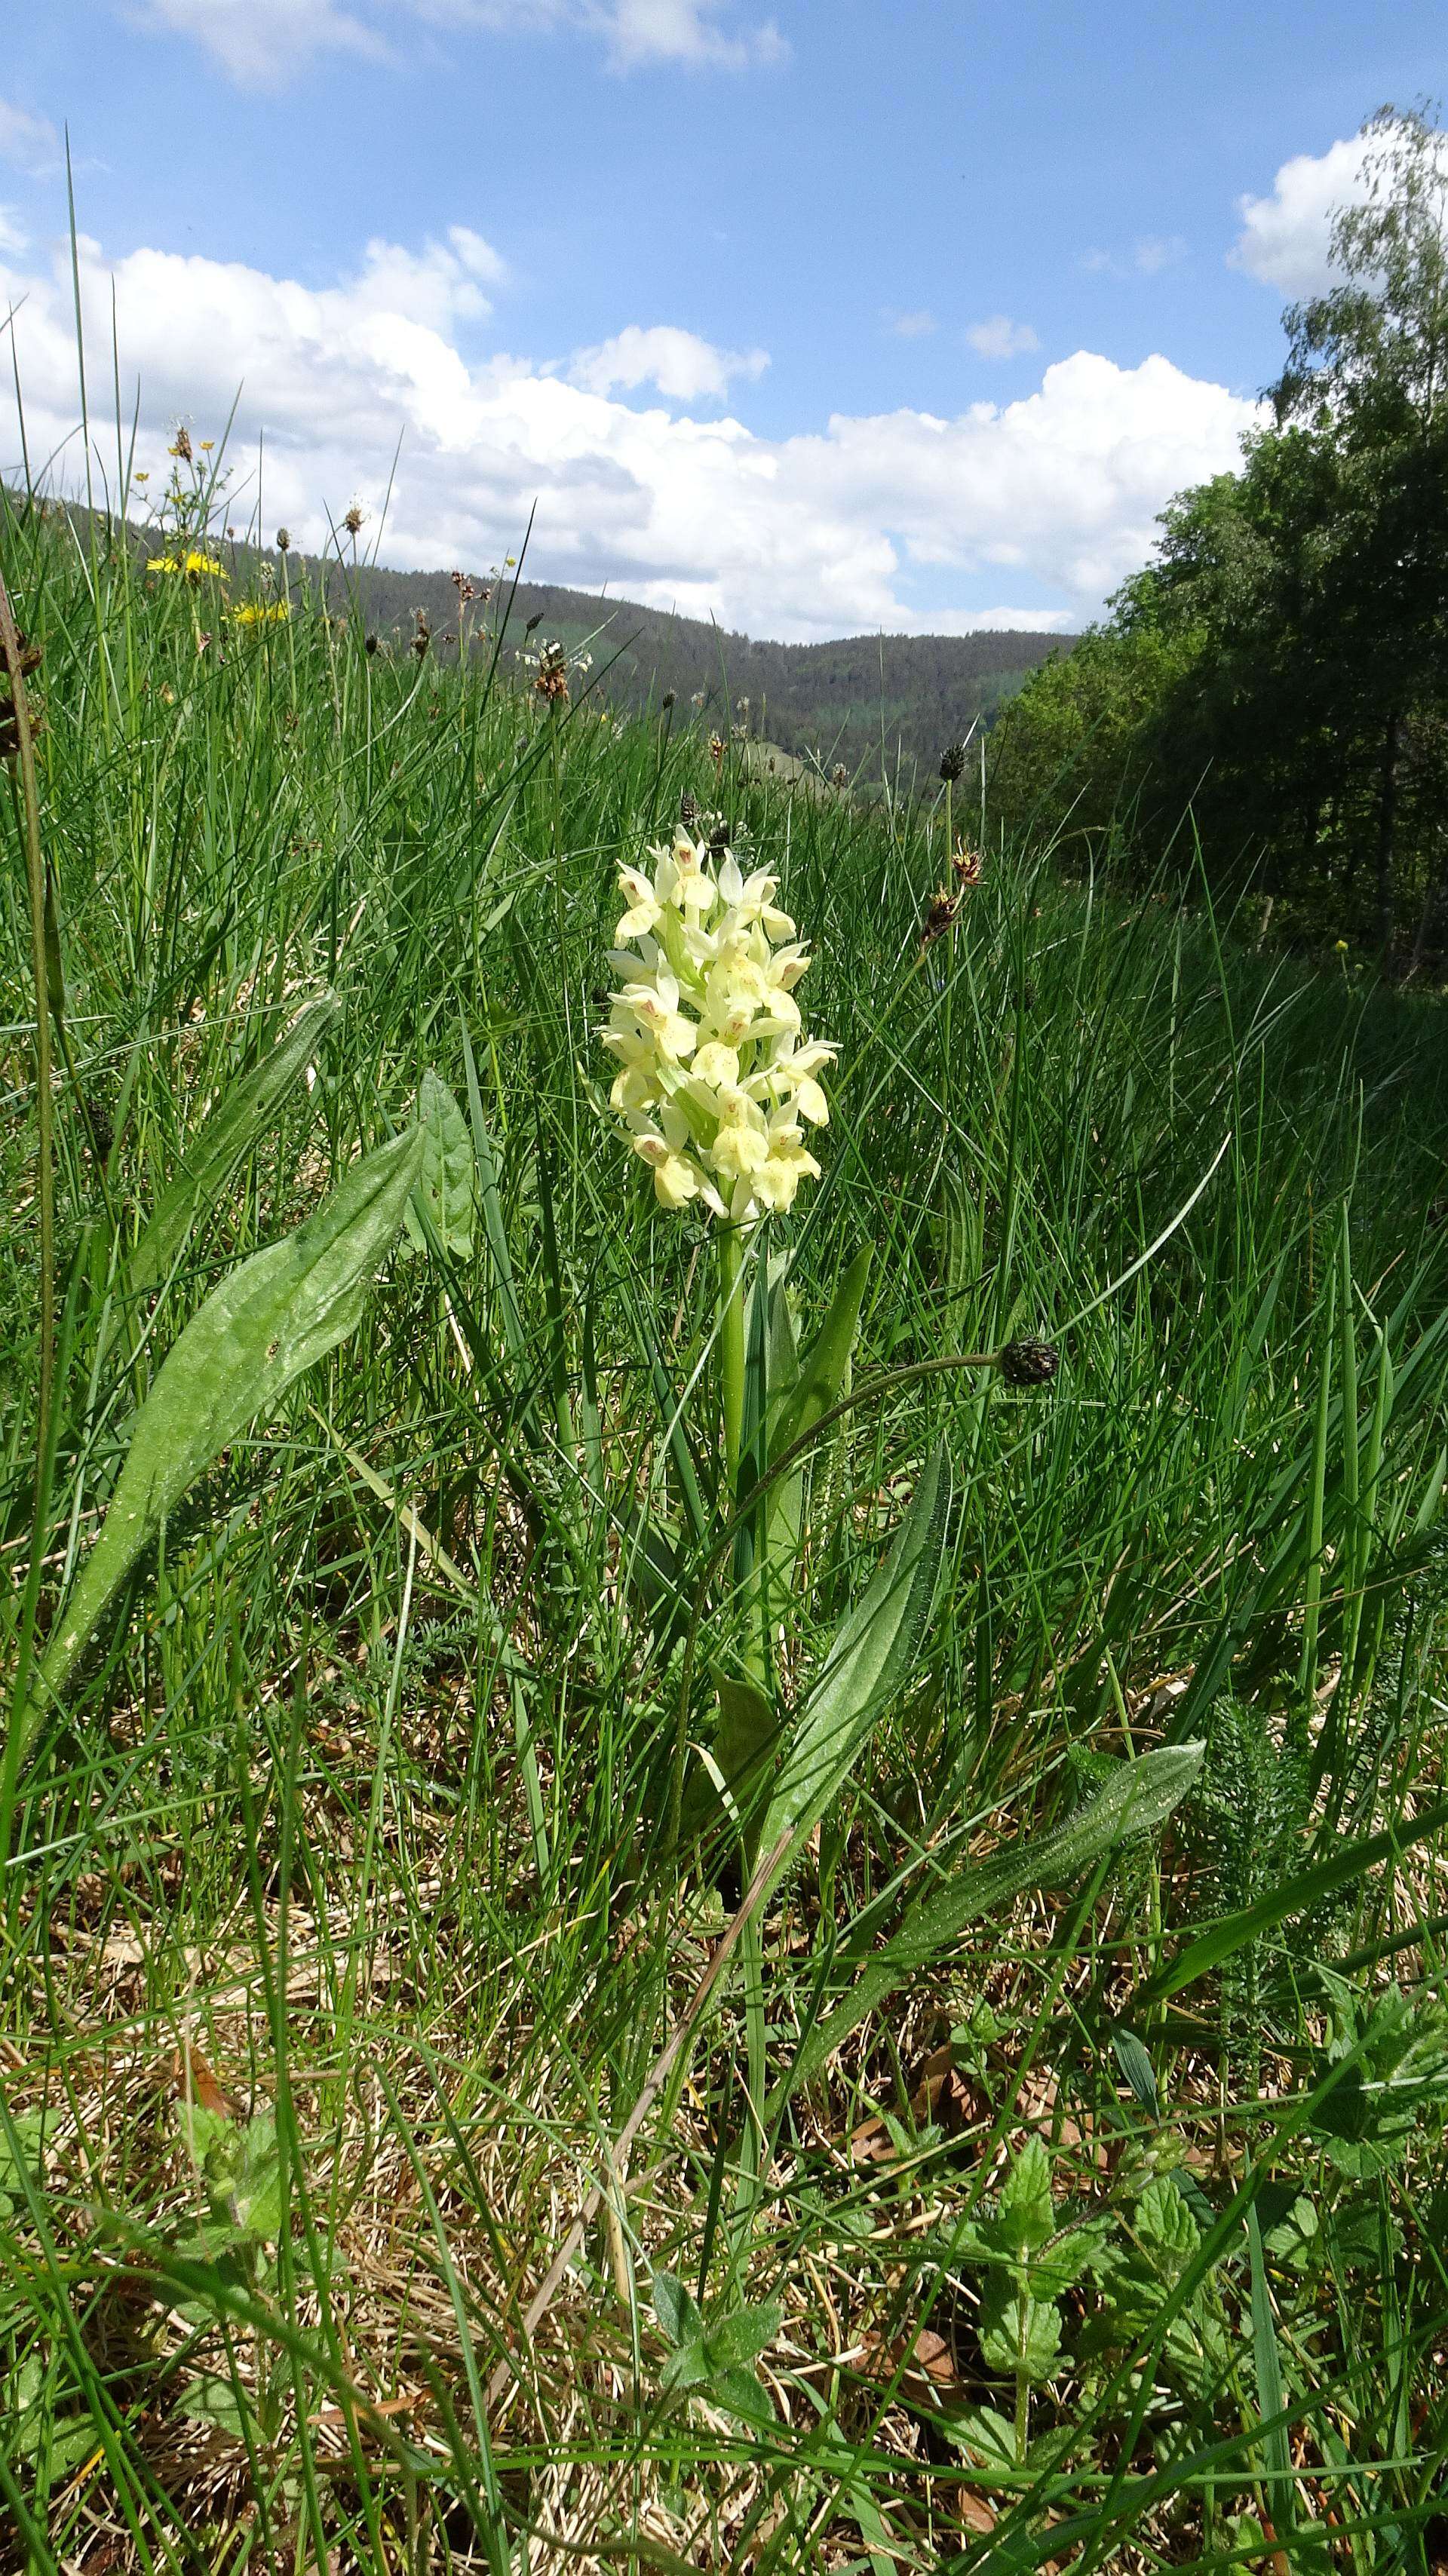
{"points": [[446, 1196], [273, 1317], [241, 1117]]}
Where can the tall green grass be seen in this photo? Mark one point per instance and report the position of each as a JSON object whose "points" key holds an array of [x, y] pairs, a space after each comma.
{"points": [[352, 1824]]}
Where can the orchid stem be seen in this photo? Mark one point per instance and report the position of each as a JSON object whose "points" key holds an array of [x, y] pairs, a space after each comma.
{"points": [[731, 1348]]}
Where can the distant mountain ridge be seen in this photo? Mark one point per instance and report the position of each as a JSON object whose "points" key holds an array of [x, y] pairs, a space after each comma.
{"points": [[860, 700], [911, 694]]}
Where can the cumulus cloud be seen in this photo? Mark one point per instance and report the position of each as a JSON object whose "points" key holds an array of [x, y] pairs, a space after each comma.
{"points": [[830, 531], [1284, 235], [30, 142], [909, 326], [999, 337], [264, 43], [680, 364]]}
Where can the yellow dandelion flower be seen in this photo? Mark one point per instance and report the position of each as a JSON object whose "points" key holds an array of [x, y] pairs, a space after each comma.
{"points": [[194, 565]]}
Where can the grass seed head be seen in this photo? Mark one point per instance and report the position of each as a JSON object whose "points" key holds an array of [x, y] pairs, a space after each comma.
{"points": [[939, 917]]}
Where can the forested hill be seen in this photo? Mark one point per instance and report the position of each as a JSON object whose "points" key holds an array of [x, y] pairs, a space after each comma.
{"points": [[916, 693], [903, 697]]}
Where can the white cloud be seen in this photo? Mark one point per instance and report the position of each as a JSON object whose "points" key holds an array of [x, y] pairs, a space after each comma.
{"points": [[909, 326], [830, 531], [264, 43], [1157, 251], [31, 142], [681, 365], [441, 283], [12, 239], [681, 31], [999, 337], [1284, 236], [1148, 257]]}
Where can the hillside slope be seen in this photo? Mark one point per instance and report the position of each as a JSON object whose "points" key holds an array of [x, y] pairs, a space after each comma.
{"points": [[859, 699], [845, 699]]}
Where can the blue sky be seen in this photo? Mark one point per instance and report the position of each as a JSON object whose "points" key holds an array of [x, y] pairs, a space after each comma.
{"points": [[884, 219]]}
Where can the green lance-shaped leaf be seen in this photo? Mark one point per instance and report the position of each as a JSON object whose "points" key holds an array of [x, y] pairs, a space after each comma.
{"points": [[241, 1117], [281, 1310], [744, 1741], [801, 1392], [446, 1196], [819, 1379], [1139, 1798], [871, 1660]]}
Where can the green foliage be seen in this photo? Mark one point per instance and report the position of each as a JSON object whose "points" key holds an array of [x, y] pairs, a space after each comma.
{"points": [[366, 1794], [241, 2170], [242, 1119], [1393, 2051], [22, 2160], [869, 1663], [1279, 669], [716, 2360], [277, 1315], [1250, 1816], [1138, 2267], [1028, 2262], [443, 1207], [1133, 1800]]}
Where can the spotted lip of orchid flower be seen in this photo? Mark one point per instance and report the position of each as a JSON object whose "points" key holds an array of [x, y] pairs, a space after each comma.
{"points": [[714, 1073]]}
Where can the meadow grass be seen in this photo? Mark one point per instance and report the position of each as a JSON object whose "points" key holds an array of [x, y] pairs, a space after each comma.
{"points": [[345, 1923]]}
